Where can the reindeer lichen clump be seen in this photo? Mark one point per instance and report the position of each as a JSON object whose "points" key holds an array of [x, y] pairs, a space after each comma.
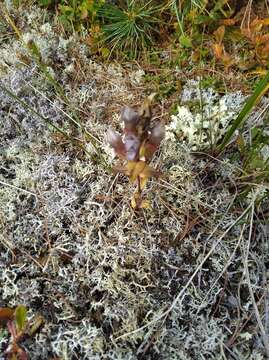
{"points": [[136, 146]]}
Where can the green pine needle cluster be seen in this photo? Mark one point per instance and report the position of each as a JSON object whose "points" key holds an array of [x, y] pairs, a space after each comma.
{"points": [[130, 27]]}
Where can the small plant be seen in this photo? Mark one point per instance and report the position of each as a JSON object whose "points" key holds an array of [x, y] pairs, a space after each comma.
{"points": [[129, 27], [137, 146], [19, 328], [74, 13]]}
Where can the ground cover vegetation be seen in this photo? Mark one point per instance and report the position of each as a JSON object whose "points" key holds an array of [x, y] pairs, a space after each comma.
{"points": [[134, 168]]}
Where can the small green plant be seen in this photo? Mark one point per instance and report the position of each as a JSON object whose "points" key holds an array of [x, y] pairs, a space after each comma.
{"points": [[76, 12], [137, 146], [19, 328], [130, 26], [191, 15]]}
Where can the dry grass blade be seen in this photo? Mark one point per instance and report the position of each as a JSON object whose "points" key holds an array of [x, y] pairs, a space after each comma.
{"points": [[264, 335], [260, 90], [17, 188], [224, 269]]}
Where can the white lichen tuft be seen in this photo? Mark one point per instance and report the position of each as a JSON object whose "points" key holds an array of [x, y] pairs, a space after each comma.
{"points": [[136, 77], [203, 116]]}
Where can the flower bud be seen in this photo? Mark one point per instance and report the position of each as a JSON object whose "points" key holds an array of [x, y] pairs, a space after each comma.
{"points": [[130, 119], [132, 145], [115, 140], [157, 134]]}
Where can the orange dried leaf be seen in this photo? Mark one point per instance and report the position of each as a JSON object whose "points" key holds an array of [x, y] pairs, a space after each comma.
{"points": [[218, 50], [261, 39], [228, 22], [263, 52], [265, 22], [6, 314], [256, 25], [219, 34]]}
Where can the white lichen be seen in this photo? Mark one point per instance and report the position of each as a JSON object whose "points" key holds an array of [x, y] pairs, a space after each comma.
{"points": [[71, 246], [209, 120]]}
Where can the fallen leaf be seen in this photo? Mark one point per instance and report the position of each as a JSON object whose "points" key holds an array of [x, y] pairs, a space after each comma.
{"points": [[261, 39], [6, 314], [256, 25], [265, 22], [228, 22], [218, 50], [219, 34]]}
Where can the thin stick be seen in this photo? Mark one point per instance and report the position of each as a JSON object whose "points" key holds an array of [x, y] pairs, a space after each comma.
{"points": [[17, 188]]}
